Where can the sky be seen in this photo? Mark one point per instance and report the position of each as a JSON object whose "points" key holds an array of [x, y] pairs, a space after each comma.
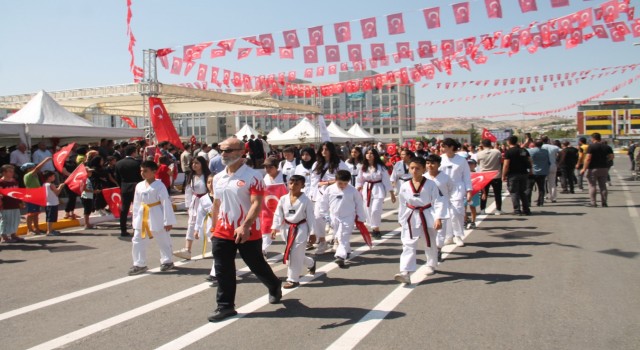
{"points": [[67, 44]]}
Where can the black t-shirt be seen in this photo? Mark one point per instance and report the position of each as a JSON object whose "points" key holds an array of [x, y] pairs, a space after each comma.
{"points": [[599, 152], [570, 157], [518, 160]]}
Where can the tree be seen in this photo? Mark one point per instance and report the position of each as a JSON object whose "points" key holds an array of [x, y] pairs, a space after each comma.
{"points": [[475, 136]]}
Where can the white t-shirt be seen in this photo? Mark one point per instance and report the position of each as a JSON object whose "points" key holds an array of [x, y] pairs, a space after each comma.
{"points": [[52, 198]]}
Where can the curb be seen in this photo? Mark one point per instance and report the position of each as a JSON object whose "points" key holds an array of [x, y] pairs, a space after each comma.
{"points": [[70, 223]]}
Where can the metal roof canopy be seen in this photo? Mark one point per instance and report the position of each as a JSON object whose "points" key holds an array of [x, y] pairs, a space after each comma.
{"points": [[130, 100]]}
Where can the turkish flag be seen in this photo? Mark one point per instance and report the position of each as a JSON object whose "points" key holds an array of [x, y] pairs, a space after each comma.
{"points": [[60, 157], [404, 50], [480, 180], [599, 31], [164, 61], [272, 194], [528, 5], [114, 200], [610, 11], [377, 51], [244, 52], [227, 44], [494, 8], [214, 75], [163, 52], [424, 49], [333, 69], [355, 52], [395, 24], [188, 67], [286, 53], [237, 79], [447, 47], [584, 18], [487, 135], [319, 71], [369, 29], [316, 36], [343, 31], [463, 63], [432, 17], [187, 53], [226, 77], [332, 53], [202, 72], [128, 121], [193, 139], [291, 38], [291, 76], [310, 54], [267, 43], [176, 66], [635, 28], [215, 53], [37, 196], [75, 181], [559, 3], [461, 12], [162, 124], [366, 235]]}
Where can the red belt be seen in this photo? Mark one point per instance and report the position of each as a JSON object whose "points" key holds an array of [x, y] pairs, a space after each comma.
{"points": [[369, 189], [193, 207], [200, 195], [291, 237], [422, 218]]}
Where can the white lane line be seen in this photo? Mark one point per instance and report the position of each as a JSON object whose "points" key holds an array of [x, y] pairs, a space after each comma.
{"points": [[102, 325], [631, 206], [210, 328], [365, 325]]}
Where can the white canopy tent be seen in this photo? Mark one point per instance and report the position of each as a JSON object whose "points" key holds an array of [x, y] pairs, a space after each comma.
{"points": [[335, 129], [247, 131], [274, 133], [359, 133], [43, 117], [304, 132]]}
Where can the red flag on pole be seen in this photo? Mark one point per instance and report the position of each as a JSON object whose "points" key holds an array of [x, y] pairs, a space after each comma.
{"points": [[272, 194], [366, 236], [37, 196], [162, 124], [487, 135], [128, 121], [75, 181], [60, 157], [480, 180], [114, 200]]}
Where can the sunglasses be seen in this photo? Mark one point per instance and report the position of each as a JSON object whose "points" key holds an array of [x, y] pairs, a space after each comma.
{"points": [[229, 150]]}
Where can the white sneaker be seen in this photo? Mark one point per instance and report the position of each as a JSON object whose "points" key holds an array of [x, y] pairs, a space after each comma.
{"points": [[497, 212], [183, 254], [458, 241], [448, 241], [322, 248], [483, 212], [430, 271], [402, 278]]}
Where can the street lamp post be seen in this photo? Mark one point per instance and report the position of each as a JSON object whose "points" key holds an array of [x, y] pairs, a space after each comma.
{"points": [[522, 106]]}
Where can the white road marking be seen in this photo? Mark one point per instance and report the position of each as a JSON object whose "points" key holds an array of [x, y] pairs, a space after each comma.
{"points": [[631, 206], [365, 325]]}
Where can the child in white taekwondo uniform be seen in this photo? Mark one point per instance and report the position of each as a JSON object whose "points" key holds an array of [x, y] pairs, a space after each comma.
{"points": [[421, 219], [446, 187], [373, 181], [272, 177], [340, 204], [195, 191], [354, 163], [287, 167], [152, 217], [203, 223], [323, 174], [456, 167], [294, 219], [400, 173]]}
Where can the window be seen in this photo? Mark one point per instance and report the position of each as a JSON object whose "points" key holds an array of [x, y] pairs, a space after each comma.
{"points": [[598, 127]]}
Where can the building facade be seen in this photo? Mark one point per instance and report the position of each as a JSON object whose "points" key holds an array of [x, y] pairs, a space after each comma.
{"points": [[387, 113], [614, 119]]}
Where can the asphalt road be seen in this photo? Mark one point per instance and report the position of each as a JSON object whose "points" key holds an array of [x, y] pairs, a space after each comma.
{"points": [[565, 278]]}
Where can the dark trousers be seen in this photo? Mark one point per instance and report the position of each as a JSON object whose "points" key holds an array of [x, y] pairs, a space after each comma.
{"points": [[496, 184], [517, 185], [71, 202], [568, 178], [539, 181], [127, 199], [597, 177], [224, 255]]}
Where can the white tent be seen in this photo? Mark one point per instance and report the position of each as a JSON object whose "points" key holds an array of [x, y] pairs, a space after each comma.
{"points": [[335, 129], [275, 133], [304, 132], [359, 133], [43, 117], [247, 131]]}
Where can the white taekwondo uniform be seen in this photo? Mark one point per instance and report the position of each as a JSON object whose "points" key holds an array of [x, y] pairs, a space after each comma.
{"points": [[195, 190], [458, 170], [445, 186], [315, 193], [375, 185], [341, 207]]}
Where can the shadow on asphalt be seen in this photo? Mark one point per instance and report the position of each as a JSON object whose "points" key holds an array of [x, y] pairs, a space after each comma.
{"points": [[483, 254], [11, 261], [489, 278], [521, 234], [620, 253], [293, 308]]}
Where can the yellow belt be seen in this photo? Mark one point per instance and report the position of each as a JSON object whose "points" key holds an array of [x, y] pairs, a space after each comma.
{"points": [[146, 230]]}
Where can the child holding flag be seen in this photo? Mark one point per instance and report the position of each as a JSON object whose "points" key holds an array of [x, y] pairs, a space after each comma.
{"points": [[53, 201], [294, 219], [153, 217]]}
